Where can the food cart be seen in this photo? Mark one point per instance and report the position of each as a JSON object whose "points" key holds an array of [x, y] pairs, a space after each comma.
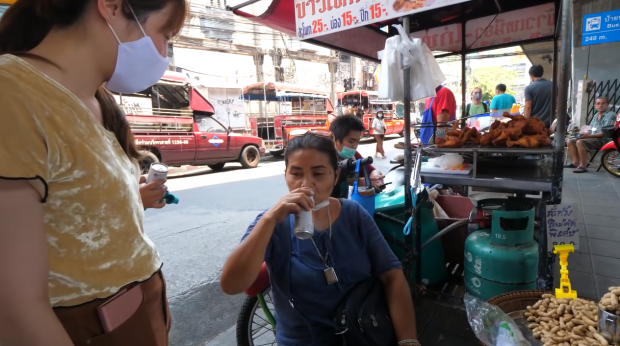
{"points": [[449, 27]]}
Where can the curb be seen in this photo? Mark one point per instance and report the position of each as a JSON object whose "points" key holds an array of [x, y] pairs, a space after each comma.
{"points": [[175, 172]]}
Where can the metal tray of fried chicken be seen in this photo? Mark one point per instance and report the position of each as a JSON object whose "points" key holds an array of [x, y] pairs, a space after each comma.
{"points": [[518, 137]]}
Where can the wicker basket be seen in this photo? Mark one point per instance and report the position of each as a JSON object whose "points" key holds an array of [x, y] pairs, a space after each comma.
{"points": [[516, 301]]}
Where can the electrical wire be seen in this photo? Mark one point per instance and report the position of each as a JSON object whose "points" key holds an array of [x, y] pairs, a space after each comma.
{"points": [[244, 32]]}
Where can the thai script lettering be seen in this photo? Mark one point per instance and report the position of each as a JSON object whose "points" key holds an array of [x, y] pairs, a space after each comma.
{"points": [[168, 141]]}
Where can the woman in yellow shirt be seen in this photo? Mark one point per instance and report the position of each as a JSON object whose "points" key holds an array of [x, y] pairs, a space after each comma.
{"points": [[71, 218]]}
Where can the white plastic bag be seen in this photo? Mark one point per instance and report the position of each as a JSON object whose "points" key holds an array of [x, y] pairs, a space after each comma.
{"points": [[447, 161], [491, 325], [401, 52], [391, 75]]}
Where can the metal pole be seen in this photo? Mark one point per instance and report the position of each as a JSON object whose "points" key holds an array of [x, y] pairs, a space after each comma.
{"points": [[264, 109], [564, 73], [408, 162], [463, 73], [560, 84]]}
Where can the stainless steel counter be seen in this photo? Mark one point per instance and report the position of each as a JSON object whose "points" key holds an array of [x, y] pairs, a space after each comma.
{"points": [[500, 175]]}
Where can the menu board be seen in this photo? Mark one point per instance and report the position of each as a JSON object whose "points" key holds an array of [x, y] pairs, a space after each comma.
{"points": [[321, 17], [564, 225]]}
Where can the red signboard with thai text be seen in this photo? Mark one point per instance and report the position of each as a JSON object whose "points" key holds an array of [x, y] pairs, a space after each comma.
{"points": [[315, 18]]}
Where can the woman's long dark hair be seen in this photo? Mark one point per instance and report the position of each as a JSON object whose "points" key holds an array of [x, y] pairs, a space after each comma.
{"points": [[27, 22], [309, 141]]}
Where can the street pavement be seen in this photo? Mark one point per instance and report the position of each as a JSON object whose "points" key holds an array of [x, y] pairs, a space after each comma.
{"points": [[195, 237]]}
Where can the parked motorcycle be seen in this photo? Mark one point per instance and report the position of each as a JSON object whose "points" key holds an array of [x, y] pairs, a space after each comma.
{"points": [[610, 152], [256, 324]]}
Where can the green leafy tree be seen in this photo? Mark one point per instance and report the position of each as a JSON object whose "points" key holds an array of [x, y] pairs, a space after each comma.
{"points": [[487, 78]]}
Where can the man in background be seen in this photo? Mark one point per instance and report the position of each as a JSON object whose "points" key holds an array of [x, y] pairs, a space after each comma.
{"points": [[538, 96], [438, 109], [502, 101], [594, 139]]}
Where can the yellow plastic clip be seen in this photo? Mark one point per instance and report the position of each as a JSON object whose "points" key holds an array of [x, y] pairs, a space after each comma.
{"points": [[565, 290]]}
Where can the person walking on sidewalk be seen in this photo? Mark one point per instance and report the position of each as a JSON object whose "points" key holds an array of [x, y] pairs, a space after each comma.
{"points": [[379, 128], [73, 249]]}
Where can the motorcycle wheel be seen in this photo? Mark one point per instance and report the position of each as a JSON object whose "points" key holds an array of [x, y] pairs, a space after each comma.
{"points": [[253, 327], [611, 162]]}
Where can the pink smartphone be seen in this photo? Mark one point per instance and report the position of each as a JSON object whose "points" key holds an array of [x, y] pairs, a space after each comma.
{"points": [[120, 308]]}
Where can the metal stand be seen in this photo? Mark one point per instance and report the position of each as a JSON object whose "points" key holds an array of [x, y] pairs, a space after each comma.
{"points": [[409, 255]]}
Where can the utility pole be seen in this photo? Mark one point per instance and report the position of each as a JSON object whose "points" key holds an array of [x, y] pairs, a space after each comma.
{"points": [[291, 76], [170, 53], [259, 58], [353, 74]]}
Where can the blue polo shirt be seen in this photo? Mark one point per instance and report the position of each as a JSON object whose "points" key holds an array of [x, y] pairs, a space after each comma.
{"points": [[503, 101], [357, 251]]}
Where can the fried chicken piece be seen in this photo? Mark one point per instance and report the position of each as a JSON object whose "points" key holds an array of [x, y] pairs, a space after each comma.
{"points": [[439, 141], [496, 124], [474, 136], [520, 124], [408, 5], [451, 142], [534, 127], [486, 139], [464, 133], [513, 117], [524, 142], [398, 5], [543, 140], [455, 131], [513, 133], [501, 139]]}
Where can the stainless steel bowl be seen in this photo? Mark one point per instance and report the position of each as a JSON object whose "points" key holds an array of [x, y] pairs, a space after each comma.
{"points": [[609, 326]]}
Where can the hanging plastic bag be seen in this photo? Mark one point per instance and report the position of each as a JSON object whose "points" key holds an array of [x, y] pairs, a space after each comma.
{"points": [[491, 325], [391, 75], [402, 52]]}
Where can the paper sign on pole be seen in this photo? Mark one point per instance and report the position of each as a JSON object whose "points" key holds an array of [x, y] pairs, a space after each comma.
{"points": [[322, 17], [564, 225], [228, 106], [286, 108]]}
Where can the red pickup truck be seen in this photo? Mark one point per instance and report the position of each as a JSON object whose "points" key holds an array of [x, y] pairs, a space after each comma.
{"points": [[173, 123]]}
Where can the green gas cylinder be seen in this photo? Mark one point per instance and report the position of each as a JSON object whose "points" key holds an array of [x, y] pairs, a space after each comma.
{"points": [[504, 258], [433, 260]]}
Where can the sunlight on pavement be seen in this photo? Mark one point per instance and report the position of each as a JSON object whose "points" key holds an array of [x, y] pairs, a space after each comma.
{"points": [[228, 175]]}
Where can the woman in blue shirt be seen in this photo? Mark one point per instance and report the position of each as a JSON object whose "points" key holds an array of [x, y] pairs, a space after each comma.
{"points": [[346, 240]]}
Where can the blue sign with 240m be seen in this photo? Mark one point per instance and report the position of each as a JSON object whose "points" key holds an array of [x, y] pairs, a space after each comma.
{"points": [[602, 27]]}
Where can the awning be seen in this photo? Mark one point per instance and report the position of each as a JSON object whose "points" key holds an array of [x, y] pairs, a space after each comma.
{"points": [[489, 24], [541, 53]]}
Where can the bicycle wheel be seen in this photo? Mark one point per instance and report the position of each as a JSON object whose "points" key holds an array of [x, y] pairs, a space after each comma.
{"points": [[611, 162], [253, 326]]}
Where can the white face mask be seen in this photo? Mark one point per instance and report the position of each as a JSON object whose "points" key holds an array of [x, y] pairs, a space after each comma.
{"points": [[138, 64]]}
